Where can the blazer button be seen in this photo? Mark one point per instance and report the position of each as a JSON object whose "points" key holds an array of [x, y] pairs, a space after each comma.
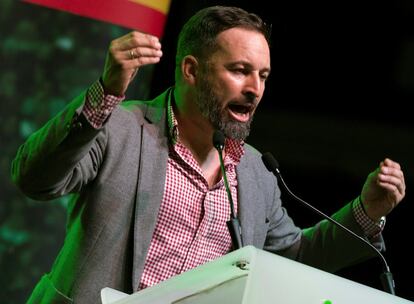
{"points": [[77, 125]]}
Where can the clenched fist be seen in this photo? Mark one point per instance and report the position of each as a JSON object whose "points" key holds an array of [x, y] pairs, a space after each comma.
{"points": [[383, 190], [124, 58]]}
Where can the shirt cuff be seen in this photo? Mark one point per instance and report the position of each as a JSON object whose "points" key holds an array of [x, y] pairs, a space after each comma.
{"points": [[99, 106], [370, 227]]}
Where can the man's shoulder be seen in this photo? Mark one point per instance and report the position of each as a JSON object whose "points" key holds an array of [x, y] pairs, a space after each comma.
{"points": [[252, 156], [253, 174], [252, 162], [251, 151]]}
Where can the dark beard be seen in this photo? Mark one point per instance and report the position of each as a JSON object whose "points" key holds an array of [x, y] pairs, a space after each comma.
{"points": [[209, 107]]}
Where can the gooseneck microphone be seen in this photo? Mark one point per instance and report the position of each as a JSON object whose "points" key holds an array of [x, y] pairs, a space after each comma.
{"points": [[233, 224], [386, 277]]}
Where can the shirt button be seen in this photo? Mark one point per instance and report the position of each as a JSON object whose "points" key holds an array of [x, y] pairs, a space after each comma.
{"points": [[106, 112]]}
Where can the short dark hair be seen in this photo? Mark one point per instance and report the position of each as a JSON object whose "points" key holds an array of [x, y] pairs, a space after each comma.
{"points": [[198, 35]]}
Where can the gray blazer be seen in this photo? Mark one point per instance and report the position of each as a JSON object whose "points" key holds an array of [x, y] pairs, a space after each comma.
{"points": [[116, 175]]}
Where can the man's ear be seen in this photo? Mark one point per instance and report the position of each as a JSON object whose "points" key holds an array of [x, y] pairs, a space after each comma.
{"points": [[189, 69]]}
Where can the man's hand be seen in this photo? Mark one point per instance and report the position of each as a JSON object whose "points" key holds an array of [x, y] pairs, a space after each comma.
{"points": [[383, 190], [125, 56]]}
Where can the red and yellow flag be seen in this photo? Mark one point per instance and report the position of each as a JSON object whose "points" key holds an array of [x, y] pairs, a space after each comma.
{"points": [[144, 15]]}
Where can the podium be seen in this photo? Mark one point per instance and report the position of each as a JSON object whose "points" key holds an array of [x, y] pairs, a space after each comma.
{"points": [[253, 276]]}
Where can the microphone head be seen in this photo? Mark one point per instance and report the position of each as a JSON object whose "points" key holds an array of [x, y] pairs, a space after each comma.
{"points": [[270, 162], [218, 140]]}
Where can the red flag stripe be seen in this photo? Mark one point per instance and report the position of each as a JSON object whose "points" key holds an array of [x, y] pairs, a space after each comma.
{"points": [[121, 12]]}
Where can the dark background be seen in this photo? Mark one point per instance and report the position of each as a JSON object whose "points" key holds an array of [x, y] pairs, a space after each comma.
{"points": [[336, 104]]}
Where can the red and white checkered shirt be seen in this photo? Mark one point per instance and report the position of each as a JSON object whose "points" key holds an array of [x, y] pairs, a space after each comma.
{"points": [[191, 225], [98, 106]]}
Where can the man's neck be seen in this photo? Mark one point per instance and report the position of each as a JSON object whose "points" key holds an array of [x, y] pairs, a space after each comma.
{"points": [[196, 133], [194, 136]]}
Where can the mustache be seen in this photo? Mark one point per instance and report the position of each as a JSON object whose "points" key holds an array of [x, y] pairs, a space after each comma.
{"points": [[251, 98], [249, 102]]}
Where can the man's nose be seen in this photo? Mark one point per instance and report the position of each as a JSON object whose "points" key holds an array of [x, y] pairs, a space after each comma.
{"points": [[254, 85]]}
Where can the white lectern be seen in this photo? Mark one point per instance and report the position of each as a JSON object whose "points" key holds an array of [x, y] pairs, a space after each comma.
{"points": [[250, 275]]}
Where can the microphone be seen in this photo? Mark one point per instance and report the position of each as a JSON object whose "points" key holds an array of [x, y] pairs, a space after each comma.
{"points": [[233, 224], [386, 277]]}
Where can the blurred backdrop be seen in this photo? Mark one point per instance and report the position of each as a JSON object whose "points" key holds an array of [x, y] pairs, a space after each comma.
{"points": [[338, 102]]}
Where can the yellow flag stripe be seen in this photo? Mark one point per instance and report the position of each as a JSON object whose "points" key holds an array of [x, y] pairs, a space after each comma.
{"points": [[160, 5]]}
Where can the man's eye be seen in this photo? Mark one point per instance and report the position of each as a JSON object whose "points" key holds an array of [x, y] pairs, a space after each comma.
{"points": [[264, 76], [239, 71]]}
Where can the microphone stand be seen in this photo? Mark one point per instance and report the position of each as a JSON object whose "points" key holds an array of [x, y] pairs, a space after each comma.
{"points": [[233, 224], [386, 277]]}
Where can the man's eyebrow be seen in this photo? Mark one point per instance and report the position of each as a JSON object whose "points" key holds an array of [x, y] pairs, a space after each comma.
{"points": [[248, 65]]}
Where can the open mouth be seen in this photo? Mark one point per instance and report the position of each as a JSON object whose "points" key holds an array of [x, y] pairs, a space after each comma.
{"points": [[240, 112]]}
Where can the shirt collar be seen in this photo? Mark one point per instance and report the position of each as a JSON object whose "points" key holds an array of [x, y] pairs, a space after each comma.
{"points": [[172, 121]]}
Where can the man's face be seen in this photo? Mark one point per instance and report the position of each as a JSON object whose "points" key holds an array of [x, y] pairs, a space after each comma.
{"points": [[231, 85]]}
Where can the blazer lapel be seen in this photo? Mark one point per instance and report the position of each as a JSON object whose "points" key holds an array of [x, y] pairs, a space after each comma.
{"points": [[249, 213], [151, 181]]}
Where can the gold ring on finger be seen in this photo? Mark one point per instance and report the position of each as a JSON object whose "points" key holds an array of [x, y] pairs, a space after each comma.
{"points": [[132, 54]]}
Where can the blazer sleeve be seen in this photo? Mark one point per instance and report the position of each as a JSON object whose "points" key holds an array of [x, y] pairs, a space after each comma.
{"points": [[327, 246], [61, 157]]}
